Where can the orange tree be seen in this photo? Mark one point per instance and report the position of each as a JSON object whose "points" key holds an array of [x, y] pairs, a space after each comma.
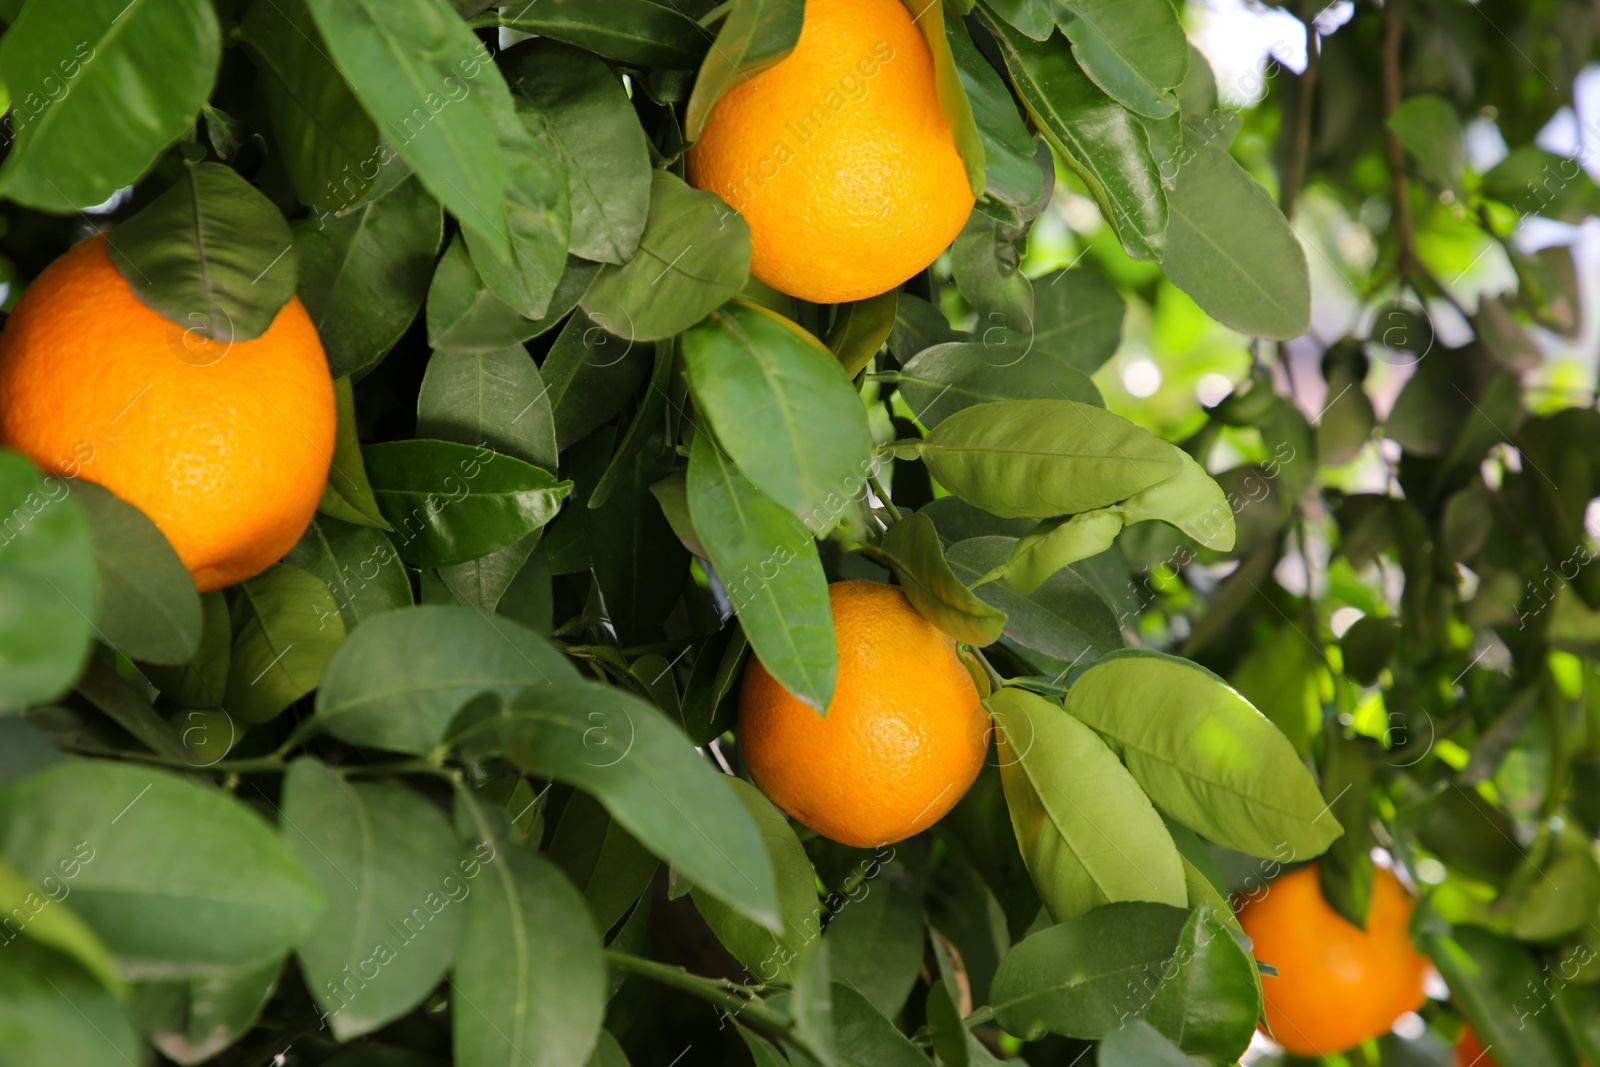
{"points": [[433, 428]]}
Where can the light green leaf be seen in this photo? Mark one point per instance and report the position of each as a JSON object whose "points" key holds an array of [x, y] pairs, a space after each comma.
{"points": [[914, 552], [953, 102], [1064, 618], [52, 1011], [348, 495], [286, 627], [1430, 130], [865, 1037], [29, 913], [1190, 500], [860, 328], [1055, 543]]}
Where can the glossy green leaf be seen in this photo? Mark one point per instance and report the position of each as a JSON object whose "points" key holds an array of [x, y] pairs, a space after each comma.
{"points": [[913, 550], [1231, 249], [592, 375], [96, 96], [359, 566], [148, 608], [1138, 1044], [53, 1011], [607, 864], [765, 955], [637, 32], [385, 861], [364, 275], [1204, 755], [450, 503], [1480, 968], [435, 94], [768, 564], [1087, 831], [348, 495], [1010, 172], [636, 762], [1033, 17], [783, 409], [1084, 977], [952, 91], [1043, 458], [212, 255], [1077, 318], [875, 944], [463, 313], [574, 104], [191, 1020], [1190, 500], [1104, 144], [1064, 618], [860, 329], [693, 255], [538, 218], [1209, 995], [1055, 543], [1429, 129], [755, 35], [286, 626], [865, 1037], [941, 380], [401, 677], [496, 399], [529, 979], [1135, 50], [231, 895]]}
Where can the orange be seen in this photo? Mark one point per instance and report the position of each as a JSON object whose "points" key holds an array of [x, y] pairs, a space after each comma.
{"points": [[1337, 984], [839, 157], [224, 446], [903, 738], [1469, 1051]]}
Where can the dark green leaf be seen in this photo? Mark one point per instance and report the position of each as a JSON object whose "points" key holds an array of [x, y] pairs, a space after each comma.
{"points": [[1209, 996], [98, 95], [917, 325], [286, 626], [591, 375], [607, 864], [1138, 1044], [400, 677], [203, 681], [945, 378], [637, 32], [384, 859], [693, 255], [875, 945], [768, 564], [953, 102], [363, 276], [211, 255], [860, 328], [450, 503], [496, 399], [1084, 977], [1077, 318], [192, 1019], [1010, 171], [538, 218], [357, 563], [52, 1011], [755, 35], [1536, 182], [914, 552], [231, 895], [464, 314], [1481, 968], [348, 494], [1032, 17], [1064, 618], [1135, 50], [1205, 756], [987, 270], [148, 607], [708, 708], [575, 105], [865, 1037]]}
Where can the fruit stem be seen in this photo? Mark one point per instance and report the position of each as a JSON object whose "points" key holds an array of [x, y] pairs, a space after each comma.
{"points": [[883, 495]]}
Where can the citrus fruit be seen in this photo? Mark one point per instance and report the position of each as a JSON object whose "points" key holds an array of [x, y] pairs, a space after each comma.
{"points": [[1337, 985], [838, 156], [903, 738], [225, 446], [1469, 1051]]}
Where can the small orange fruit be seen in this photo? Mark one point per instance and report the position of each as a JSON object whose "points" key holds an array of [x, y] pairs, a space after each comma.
{"points": [[1469, 1051], [839, 157], [224, 446], [904, 736], [1337, 985]]}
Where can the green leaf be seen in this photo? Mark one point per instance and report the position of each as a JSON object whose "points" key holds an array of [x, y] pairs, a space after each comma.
{"points": [[202, 682], [286, 628], [953, 102], [942, 380], [1533, 181], [875, 944], [1064, 618], [53, 1011], [529, 981], [538, 218], [1231, 249], [1209, 996], [987, 270], [436, 96], [384, 859], [400, 678], [359, 566], [917, 558], [1138, 1044], [364, 275], [211, 254], [860, 328], [192, 1019], [1087, 831], [693, 255], [29, 913], [231, 895], [97, 95], [811, 1005], [1009, 168], [756, 34], [148, 607], [592, 375], [575, 105], [1082, 978], [1033, 17], [1077, 318], [768, 564], [783, 408], [1135, 50], [348, 494], [1190, 500], [636, 762], [640, 33], [1205, 756], [768, 956], [450, 503], [1430, 130], [1055, 543], [917, 325], [464, 314], [335, 158], [1480, 968], [496, 399], [1043, 458], [1104, 144], [865, 1037], [607, 864], [708, 707], [48, 588]]}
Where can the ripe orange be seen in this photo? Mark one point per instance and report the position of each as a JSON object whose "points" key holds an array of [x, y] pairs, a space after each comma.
{"points": [[1469, 1051], [225, 447], [839, 157], [904, 736], [1337, 984]]}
